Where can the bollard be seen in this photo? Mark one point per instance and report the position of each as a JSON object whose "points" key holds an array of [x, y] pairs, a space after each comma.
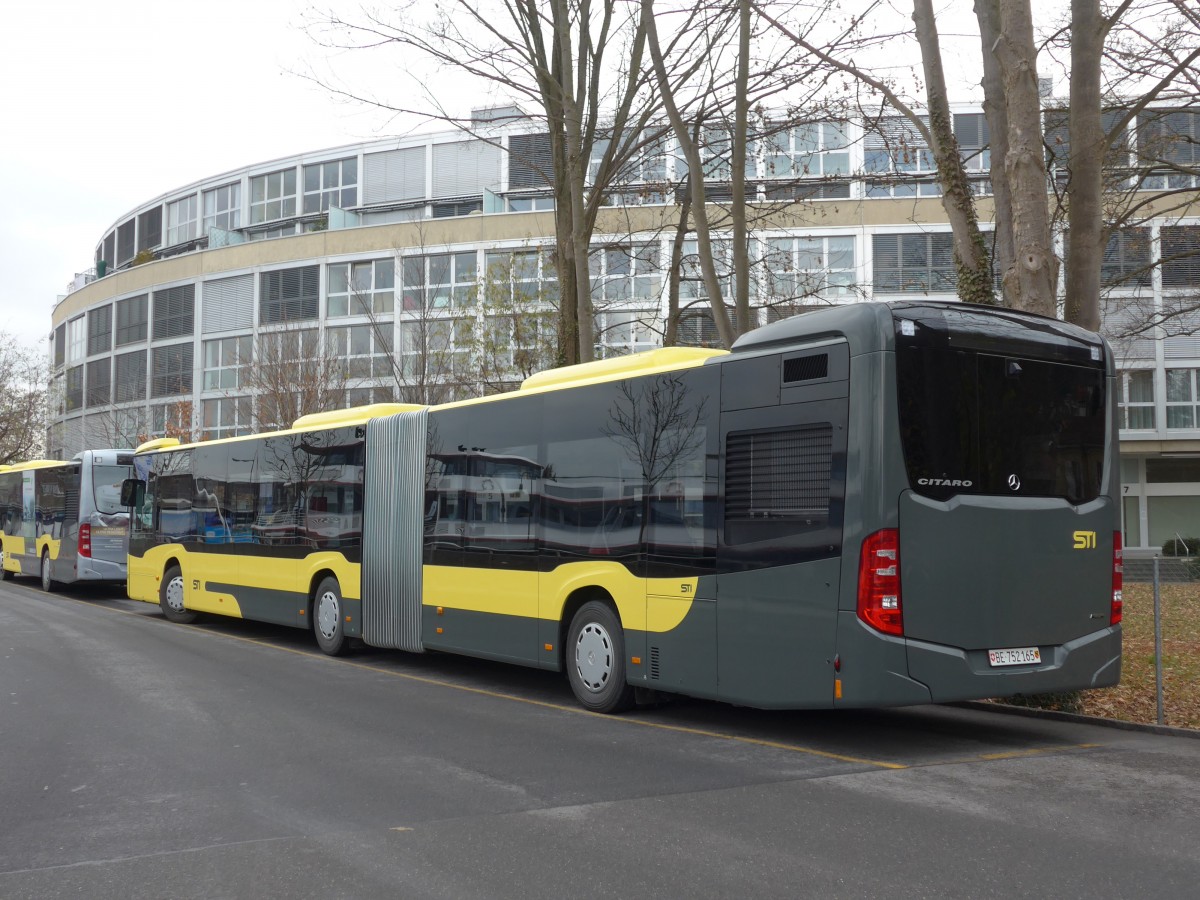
{"points": [[1158, 666]]}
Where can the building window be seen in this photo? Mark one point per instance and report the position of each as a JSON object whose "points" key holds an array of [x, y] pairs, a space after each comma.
{"points": [[130, 376], [174, 311], [1182, 398], [132, 319], [174, 418], [289, 295], [973, 138], [1126, 261], [224, 360], [435, 350], [226, 417], [331, 184], [692, 288], [894, 147], [60, 345], [1181, 256], [99, 324], [453, 208], [126, 237], [76, 339], [1136, 399], [149, 229], [619, 333], [1170, 141], [99, 382], [914, 263], [439, 281], [273, 196], [624, 272], [367, 349], [798, 267], [74, 389], [223, 207], [172, 370], [181, 220], [361, 288], [813, 150]]}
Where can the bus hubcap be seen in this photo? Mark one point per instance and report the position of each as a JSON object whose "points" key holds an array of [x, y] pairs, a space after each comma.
{"points": [[593, 656], [327, 614], [175, 594]]}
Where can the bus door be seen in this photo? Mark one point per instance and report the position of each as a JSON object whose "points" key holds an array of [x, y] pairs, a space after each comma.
{"points": [[57, 518], [783, 443]]}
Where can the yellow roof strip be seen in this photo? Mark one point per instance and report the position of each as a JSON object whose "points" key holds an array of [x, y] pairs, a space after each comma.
{"points": [[647, 362]]}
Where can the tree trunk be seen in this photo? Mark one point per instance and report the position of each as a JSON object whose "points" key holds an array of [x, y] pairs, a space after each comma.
{"points": [[691, 151], [970, 251], [988, 14], [737, 212], [1085, 221], [1030, 283]]}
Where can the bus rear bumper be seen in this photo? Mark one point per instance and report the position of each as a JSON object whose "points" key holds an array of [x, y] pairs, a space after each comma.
{"points": [[99, 570], [951, 674]]}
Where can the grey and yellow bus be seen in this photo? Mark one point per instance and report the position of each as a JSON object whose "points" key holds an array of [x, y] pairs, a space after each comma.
{"points": [[864, 505], [63, 521]]}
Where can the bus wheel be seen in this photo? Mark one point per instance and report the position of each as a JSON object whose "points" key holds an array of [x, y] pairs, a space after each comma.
{"points": [[48, 583], [170, 598], [596, 659], [327, 617]]}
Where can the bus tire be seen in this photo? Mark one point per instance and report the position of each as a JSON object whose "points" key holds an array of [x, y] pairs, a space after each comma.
{"points": [[595, 660], [170, 597], [49, 585], [328, 616]]}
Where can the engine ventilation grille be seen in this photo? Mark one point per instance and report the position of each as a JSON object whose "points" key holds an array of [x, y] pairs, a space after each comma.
{"points": [[805, 368], [654, 663]]}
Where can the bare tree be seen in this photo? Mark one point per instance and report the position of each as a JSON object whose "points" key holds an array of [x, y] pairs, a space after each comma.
{"points": [[23, 393], [579, 64], [292, 375]]}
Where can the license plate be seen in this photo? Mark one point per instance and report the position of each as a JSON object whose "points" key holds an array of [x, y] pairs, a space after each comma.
{"points": [[1015, 656]]}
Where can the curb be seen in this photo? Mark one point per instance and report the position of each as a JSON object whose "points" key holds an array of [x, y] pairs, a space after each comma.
{"points": [[1078, 718]]}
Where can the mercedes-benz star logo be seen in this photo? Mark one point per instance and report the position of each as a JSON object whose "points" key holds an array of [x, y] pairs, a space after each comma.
{"points": [[1014, 482]]}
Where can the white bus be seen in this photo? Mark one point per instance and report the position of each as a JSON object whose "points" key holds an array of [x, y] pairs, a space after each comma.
{"points": [[63, 521]]}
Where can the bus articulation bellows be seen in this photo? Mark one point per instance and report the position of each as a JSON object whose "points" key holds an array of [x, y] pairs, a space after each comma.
{"points": [[863, 505]]}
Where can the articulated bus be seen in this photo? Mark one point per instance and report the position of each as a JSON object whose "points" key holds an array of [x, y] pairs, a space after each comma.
{"points": [[865, 505], [63, 521]]}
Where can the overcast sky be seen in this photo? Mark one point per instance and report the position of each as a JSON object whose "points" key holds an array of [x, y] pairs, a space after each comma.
{"points": [[105, 106]]}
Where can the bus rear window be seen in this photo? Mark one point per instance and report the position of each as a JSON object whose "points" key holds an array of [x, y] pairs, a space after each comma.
{"points": [[977, 423]]}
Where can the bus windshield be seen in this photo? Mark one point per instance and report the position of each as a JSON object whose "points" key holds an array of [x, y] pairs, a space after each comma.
{"points": [[106, 488]]}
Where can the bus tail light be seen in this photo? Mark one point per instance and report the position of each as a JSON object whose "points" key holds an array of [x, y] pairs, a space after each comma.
{"points": [[85, 540], [1116, 611], [879, 582]]}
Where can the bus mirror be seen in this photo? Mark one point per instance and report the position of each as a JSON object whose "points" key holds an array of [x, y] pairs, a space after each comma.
{"points": [[132, 491]]}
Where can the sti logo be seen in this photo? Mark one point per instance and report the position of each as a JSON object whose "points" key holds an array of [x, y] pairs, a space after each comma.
{"points": [[1084, 540]]}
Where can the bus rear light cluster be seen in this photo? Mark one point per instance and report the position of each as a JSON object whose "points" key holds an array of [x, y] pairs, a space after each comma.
{"points": [[1117, 610], [85, 540], [879, 602]]}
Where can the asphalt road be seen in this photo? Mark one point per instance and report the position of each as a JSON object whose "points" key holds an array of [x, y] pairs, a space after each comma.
{"points": [[226, 759]]}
